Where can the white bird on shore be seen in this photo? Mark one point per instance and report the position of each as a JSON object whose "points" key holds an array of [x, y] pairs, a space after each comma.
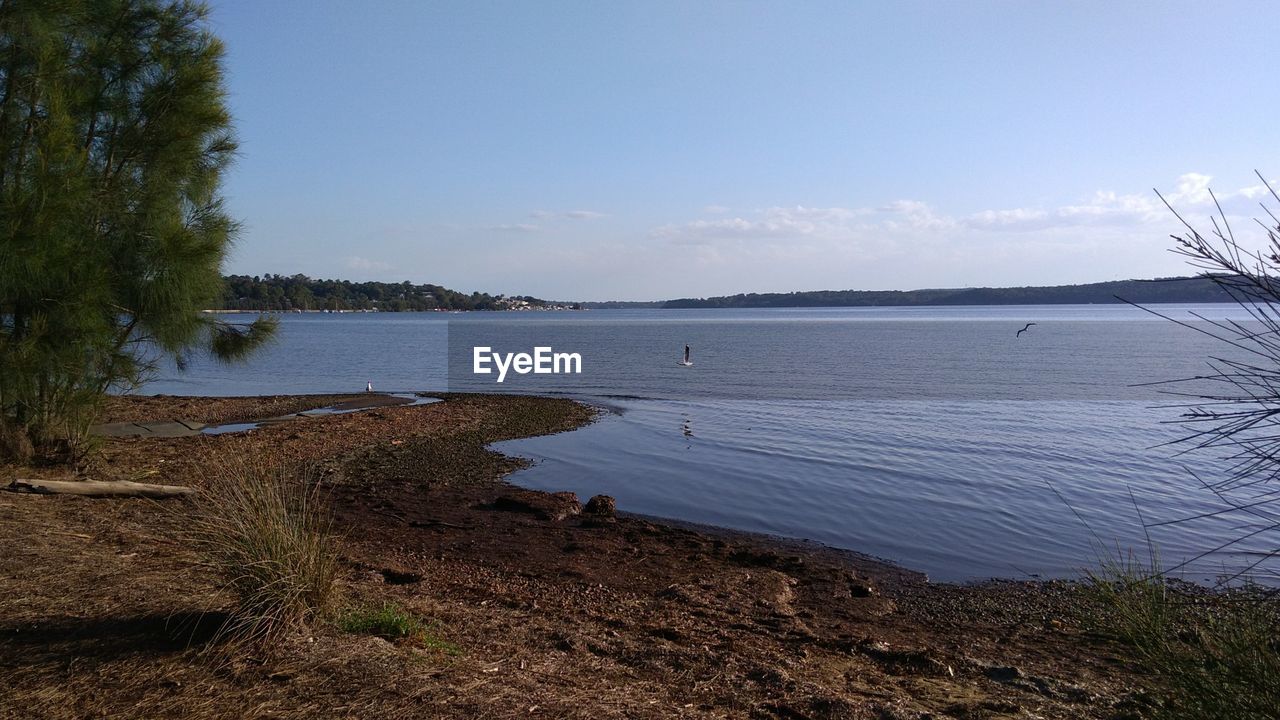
{"points": [[368, 387]]}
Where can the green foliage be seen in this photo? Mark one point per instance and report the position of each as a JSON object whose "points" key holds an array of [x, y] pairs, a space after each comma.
{"points": [[299, 292], [392, 622], [265, 532], [1214, 655], [114, 136]]}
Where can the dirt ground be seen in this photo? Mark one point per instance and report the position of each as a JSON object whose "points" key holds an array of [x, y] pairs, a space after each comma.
{"points": [[103, 612]]}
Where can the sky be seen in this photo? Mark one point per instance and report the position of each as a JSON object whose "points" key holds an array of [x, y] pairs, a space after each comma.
{"points": [[654, 150]]}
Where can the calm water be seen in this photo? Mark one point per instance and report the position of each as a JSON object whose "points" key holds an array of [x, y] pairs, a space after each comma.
{"points": [[929, 436]]}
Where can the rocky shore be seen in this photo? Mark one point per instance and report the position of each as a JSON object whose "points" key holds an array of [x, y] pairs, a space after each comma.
{"points": [[538, 605]]}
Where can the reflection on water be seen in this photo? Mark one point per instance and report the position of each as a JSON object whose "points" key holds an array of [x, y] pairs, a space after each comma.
{"points": [[960, 490]]}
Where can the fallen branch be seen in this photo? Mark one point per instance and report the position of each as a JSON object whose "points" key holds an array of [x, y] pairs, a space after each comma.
{"points": [[98, 488]]}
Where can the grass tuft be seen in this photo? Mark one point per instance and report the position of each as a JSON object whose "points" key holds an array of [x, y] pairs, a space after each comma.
{"points": [[1215, 655], [392, 622], [267, 534]]}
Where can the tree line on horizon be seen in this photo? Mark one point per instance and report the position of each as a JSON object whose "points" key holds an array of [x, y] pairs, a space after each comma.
{"points": [[1160, 290], [286, 293]]}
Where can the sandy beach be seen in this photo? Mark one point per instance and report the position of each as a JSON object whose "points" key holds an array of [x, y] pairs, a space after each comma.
{"points": [[535, 608]]}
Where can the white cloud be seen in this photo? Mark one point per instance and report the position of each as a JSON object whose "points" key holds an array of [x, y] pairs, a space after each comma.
{"points": [[367, 265], [1006, 218], [904, 206], [1190, 194], [1114, 233], [770, 223], [515, 227], [567, 215], [1192, 188], [1254, 192], [914, 215], [910, 243], [733, 228], [833, 214], [1109, 206], [798, 222]]}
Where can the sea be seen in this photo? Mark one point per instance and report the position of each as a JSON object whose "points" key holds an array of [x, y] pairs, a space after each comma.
{"points": [[933, 437]]}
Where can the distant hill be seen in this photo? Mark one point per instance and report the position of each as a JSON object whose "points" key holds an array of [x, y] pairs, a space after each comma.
{"points": [[1162, 290], [281, 293], [621, 304]]}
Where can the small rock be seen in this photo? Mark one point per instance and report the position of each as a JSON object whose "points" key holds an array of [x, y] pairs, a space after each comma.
{"points": [[861, 589], [548, 506], [396, 576], [1005, 673], [602, 505], [601, 510]]}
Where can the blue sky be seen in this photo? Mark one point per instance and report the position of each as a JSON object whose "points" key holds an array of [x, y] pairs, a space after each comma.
{"points": [[649, 150]]}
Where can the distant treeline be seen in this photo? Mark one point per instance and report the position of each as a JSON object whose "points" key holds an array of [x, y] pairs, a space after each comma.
{"points": [[299, 292], [280, 293], [622, 304], [1163, 290]]}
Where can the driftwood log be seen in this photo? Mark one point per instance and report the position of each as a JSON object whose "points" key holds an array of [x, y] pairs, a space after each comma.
{"points": [[98, 488]]}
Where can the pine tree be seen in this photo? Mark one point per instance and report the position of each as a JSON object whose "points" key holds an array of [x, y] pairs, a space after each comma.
{"points": [[114, 136]]}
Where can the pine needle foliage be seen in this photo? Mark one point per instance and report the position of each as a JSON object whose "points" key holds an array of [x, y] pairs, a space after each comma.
{"points": [[114, 137], [1234, 407]]}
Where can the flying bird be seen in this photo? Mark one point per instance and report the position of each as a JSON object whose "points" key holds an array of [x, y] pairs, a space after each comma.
{"points": [[1024, 329]]}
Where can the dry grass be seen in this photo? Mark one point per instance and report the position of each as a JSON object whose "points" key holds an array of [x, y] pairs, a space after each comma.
{"points": [[267, 533], [1213, 655]]}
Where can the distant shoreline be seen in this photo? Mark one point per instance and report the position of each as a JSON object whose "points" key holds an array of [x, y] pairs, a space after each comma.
{"points": [[297, 311], [650, 306], [299, 294], [1160, 290]]}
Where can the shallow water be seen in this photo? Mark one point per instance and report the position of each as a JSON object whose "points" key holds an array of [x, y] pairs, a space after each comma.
{"points": [[929, 436]]}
